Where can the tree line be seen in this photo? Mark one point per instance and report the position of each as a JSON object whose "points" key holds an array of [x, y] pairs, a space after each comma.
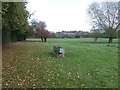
{"points": [[15, 26], [14, 21], [105, 19]]}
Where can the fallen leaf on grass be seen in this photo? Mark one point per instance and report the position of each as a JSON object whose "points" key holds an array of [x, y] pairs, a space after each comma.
{"points": [[6, 84], [78, 76], [83, 85], [57, 74], [48, 80], [88, 73]]}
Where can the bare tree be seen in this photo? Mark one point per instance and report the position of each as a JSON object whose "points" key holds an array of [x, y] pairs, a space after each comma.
{"points": [[104, 16]]}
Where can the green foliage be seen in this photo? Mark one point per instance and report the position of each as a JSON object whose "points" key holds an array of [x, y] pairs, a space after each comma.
{"points": [[14, 19], [0, 23], [77, 36]]}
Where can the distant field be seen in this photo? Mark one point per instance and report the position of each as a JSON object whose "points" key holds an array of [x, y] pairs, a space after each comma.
{"points": [[85, 65]]}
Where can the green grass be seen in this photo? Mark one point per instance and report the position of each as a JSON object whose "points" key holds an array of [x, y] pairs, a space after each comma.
{"points": [[85, 65]]}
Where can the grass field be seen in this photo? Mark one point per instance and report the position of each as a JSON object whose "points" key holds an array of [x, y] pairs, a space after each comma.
{"points": [[85, 65]]}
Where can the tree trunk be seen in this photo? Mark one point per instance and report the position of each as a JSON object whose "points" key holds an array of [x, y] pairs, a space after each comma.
{"points": [[6, 36], [42, 39], [25, 38], [95, 39], [110, 40], [45, 39]]}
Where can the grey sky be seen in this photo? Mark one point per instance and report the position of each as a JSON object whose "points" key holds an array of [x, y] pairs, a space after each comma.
{"points": [[61, 15]]}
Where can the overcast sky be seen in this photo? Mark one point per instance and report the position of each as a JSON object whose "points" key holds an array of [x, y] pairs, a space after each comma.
{"points": [[67, 15]]}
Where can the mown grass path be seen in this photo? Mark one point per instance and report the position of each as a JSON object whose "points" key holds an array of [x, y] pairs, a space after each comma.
{"points": [[31, 64]]}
